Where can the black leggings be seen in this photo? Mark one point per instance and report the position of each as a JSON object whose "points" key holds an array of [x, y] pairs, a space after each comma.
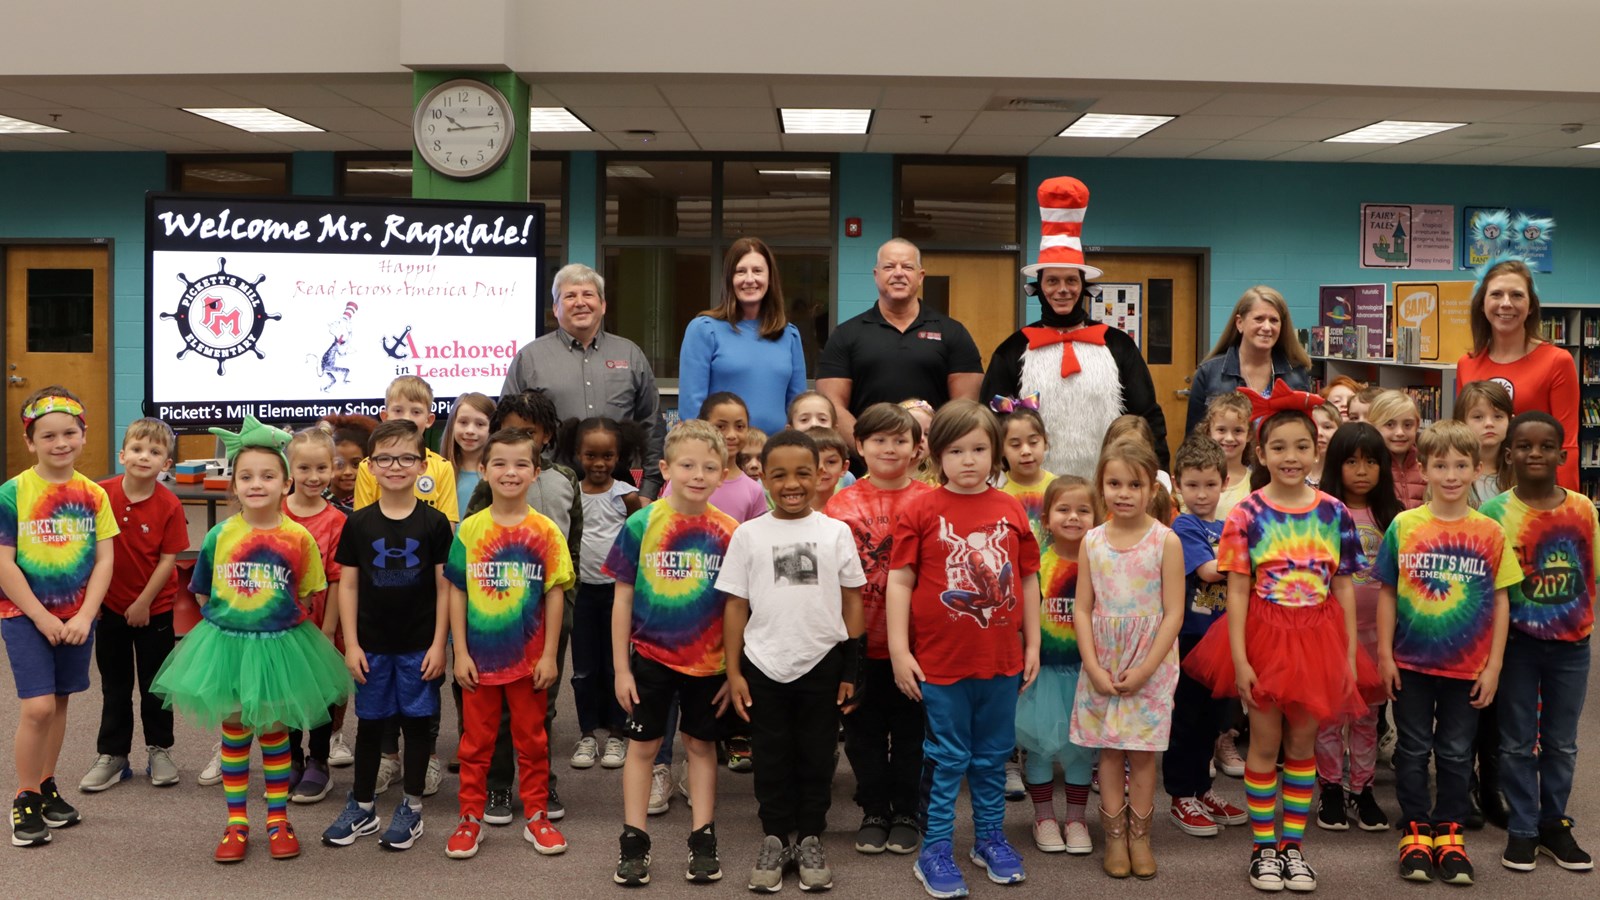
{"points": [[418, 732]]}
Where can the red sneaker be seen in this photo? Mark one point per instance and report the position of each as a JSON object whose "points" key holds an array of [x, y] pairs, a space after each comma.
{"points": [[543, 836], [1190, 815], [1221, 811], [234, 844], [281, 840], [463, 844]]}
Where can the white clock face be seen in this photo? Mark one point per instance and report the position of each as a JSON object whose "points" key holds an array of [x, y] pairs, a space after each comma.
{"points": [[463, 128]]}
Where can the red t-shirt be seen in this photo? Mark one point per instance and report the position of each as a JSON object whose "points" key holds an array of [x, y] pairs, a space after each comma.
{"points": [[970, 553], [151, 527], [325, 528], [871, 513], [1547, 380]]}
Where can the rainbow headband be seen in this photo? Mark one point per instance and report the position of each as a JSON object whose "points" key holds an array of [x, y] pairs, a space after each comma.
{"points": [[51, 404], [254, 434]]}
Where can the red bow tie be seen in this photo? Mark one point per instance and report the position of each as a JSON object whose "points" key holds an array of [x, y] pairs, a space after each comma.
{"points": [[1044, 337]]}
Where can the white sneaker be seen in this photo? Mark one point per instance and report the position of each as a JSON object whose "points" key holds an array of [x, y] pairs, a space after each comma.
{"points": [[339, 753], [660, 790], [434, 777], [388, 773], [212, 773], [1077, 838], [1225, 755], [1047, 836], [616, 753], [683, 784], [586, 753], [1386, 745], [1014, 787]]}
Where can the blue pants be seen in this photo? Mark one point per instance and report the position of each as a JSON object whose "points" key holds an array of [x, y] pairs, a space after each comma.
{"points": [[1555, 673], [972, 729], [1435, 718]]}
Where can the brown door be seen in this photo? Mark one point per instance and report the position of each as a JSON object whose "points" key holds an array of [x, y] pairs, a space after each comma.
{"points": [[979, 290], [58, 331], [1168, 321]]}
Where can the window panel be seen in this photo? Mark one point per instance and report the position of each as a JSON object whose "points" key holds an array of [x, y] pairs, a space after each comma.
{"points": [[652, 293], [958, 204], [658, 198], [777, 200], [232, 176], [60, 310]]}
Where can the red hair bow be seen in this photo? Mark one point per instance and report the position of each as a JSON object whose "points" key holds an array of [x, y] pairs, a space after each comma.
{"points": [[1283, 398]]}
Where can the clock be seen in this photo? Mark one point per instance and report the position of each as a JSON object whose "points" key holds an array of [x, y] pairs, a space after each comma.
{"points": [[462, 128]]}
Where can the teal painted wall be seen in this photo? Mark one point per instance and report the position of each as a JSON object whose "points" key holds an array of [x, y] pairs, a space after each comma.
{"points": [[583, 218], [866, 191]]}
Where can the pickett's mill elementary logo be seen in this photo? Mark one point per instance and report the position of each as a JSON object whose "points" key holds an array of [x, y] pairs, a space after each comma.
{"points": [[221, 316]]}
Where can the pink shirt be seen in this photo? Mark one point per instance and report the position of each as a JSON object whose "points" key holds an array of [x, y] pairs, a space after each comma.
{"points": [[739, 496]]}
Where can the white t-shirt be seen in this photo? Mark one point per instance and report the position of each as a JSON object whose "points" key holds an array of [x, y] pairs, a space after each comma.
{"points": [[603, 517], [791, 571]]}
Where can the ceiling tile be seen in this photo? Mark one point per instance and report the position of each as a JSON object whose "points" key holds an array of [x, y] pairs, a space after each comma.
{"points": [[825, 143], [342, 118], [1412, 152], [162, 118], [1160, 148], [1560, 158], [1372, 109], [1295, 128], [909, 143], [277, 94], [973, 144], [733, 93], [664, 140], [580, 140], [12, 143], [170, 143], [1558, 113], [1037, 124], [1151, 103], [233, 139], [81, 96], [81, 142], [599, 94], [1216, 128], [1324, 152], [187, 94], [372, 90], [306, 140], [1247, 149], [1464, 110], [383, 140], [757, 120], [17, 100], [1478, 134], [739, 143], [1060, 146], [397, 115], [1499, 154], [623, 118], [84, 121], [1256, 104], [910, 121], [826, 96], [1555, 138], [931, 98]]}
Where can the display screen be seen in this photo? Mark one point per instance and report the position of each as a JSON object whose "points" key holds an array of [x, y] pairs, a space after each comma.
{"points": [[294, 308]]}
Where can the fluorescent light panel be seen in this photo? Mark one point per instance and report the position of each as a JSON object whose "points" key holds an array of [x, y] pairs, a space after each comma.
{"points": [[798, 173], [257, 119], [627, 172], [1108, 125], [9, 125], [554, 118], [1593, 146], [1392, 131], [380, 170], [825, 121]]}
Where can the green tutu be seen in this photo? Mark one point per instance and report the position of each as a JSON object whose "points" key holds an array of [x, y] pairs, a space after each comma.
{"points": [[266, 677]]}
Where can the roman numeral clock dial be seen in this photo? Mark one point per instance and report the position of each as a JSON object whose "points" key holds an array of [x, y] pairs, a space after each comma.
{"points": [[462, 128]]}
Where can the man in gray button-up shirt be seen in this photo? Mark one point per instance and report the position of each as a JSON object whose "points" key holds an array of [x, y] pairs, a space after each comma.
{"points": [[588, 372]]}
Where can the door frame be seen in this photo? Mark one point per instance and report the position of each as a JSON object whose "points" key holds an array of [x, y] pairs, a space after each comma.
{"points": [[1202, 257], [6, 245]]}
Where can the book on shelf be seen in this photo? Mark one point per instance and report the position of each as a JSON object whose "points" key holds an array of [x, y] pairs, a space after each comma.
{"points": [[1554, 329], [1429, 400], [1317, 340], [1408, 345], [1591, 330], [1589, 411], [1353, 342], [1591, 368]]}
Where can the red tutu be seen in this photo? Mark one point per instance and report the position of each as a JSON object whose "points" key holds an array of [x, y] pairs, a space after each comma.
{"points": [[1301, 662]]}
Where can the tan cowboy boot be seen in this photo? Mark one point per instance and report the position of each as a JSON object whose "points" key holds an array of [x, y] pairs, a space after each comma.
{"points": [[1115, 826], [1142, 859]]}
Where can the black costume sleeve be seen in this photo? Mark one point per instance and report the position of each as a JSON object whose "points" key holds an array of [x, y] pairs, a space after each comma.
{"points": [[1138, 391], [1004, 375]]}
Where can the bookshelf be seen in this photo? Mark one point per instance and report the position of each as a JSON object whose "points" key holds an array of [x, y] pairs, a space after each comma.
{"points": [[1576, 329], [1432, 385]]}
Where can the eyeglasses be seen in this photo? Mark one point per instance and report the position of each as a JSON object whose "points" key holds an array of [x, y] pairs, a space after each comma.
{"points": [[404, 461]]}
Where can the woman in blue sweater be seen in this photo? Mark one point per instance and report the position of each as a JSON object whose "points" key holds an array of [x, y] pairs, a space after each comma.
{"points": [[746, 345]]}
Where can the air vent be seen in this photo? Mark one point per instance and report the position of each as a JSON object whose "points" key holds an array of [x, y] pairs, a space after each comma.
{"points": [[1039, 104]]}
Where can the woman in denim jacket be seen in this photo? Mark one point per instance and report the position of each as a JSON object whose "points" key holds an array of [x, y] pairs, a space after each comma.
{"points": [[1257, 348]]}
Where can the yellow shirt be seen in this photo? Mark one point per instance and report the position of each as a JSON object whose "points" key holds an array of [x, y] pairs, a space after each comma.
{"points": [[436, 487]]}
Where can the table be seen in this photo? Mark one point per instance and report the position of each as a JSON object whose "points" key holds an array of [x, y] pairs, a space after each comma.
{"points": [[187, 492]]}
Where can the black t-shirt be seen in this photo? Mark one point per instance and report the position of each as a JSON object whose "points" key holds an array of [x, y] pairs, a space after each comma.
{"points": [[397, 592], [887, 365]]}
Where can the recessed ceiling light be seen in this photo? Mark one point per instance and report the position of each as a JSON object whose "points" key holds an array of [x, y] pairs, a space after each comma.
{"points": [[1108, 125], [826, 121], [1593, 146], [1392, 131], [9, 125], [797, 173], [627, 172], [379, 170], [554, 118], [1005, 178], [257, 119], [222, 175]]}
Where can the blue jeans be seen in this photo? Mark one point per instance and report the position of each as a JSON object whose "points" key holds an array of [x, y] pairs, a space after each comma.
{"points": [[1555, 673], [1434, 717], [972, 729]]}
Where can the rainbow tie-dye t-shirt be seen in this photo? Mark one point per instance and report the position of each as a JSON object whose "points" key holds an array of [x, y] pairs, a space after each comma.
{"points": [[1445, 574], [1559, 551], [255, 578], [1293, 554], [672, 561], [506, 571], [1058, 590], [1031, 497], [54, 529]]}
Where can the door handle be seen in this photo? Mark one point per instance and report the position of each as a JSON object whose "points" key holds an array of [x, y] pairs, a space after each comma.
{"points": [[17, 379], [1182, 393]]}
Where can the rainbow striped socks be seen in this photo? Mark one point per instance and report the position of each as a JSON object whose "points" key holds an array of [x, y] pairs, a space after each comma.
{"points": [[1299, 777], [236, 771], [275, 765], [1261, 796]]}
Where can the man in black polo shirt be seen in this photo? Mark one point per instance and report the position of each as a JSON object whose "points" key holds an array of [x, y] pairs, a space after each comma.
{"points": [[899, 348]]}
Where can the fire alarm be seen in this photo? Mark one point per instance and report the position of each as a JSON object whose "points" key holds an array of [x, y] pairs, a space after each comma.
{"points": [[852, 227]]}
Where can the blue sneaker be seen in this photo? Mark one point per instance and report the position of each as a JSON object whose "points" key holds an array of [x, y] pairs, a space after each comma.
{"points": [[936, 869], [353, 822], [403, 830], [995, 853]]}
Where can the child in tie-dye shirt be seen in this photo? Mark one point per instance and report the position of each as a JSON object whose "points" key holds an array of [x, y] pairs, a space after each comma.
{"points": [[510, 570], [666, 631], [1023, 452], [55, 565]]}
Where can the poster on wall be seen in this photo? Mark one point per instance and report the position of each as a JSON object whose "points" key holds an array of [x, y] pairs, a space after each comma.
{"points": [[1491, 232], [1342, 305], [294, 308], [1407, 236], [1441, 311], [1119, 305]]}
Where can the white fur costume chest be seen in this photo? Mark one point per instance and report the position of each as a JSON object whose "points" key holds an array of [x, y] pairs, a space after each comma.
{"points": [[1076, 410]]}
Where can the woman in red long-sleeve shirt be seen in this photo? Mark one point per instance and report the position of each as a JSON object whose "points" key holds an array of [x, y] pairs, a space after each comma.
{"points": [[1507, 349]]}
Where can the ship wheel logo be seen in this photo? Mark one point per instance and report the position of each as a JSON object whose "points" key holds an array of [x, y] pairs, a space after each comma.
{"points": [[220, 316]]}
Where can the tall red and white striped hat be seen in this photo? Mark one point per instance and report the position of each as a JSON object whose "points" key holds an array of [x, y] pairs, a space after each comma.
{"points": [[1062, 204]]}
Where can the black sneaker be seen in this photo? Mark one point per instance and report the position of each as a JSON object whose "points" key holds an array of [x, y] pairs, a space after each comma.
{"points": [[1521, 854], [1556, 842], [905, 837], [1369, 815], [633, 862], [58, 813], [872, 835], [1331, 815], [497, 809], [1297, 872], [704, 866], [1266, 869], [1450, 855], [553, 810], [1416, 852], [27, 821], [1475, 816], [1493, 803]]}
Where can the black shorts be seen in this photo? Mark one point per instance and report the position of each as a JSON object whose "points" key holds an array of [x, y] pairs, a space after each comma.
{"points": [[657, 685]]}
